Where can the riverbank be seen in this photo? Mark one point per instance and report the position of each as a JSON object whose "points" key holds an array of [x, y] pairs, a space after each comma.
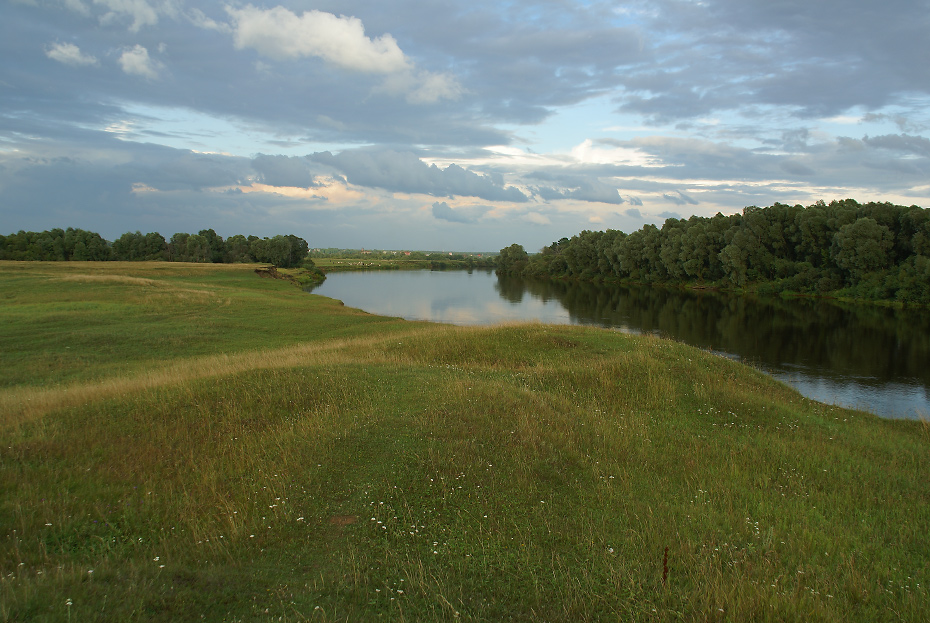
{"points": [[187, 441], [334, 264], [762, 290]]}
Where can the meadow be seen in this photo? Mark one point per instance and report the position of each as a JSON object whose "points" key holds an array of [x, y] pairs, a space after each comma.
{"points": [[193, 442]]}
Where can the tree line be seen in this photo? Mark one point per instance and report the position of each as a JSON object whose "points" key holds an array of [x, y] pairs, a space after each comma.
{"points": [[205, 246], [876, 251]]}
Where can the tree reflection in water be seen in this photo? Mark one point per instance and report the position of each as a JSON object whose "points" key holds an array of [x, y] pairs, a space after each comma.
{"points": [[822, 341]]}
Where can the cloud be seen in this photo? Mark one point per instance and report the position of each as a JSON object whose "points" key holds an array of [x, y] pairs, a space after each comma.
{"points": [[282, 35], [139, 11], [405, 172], [917, 145], [69, 54], [470, 214], [536, 218], [136, 61], [592, 190], [633, 213], [669, 214], [680, 198], [199, 18], [77, 6], [284, 171], [794, 167], [733, 103], [422, 87]]}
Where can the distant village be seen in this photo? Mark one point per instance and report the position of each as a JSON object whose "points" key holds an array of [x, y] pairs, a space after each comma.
{"points": [[348, 253]]}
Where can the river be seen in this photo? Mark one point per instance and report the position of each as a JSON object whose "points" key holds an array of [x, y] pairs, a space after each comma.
{"points": [[862, 356]]}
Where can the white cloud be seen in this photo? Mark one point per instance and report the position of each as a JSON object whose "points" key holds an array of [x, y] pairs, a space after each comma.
{"points": [[77, 6], [280, 34], [140, 11], [435, 87], [199, 18], [136, 61], [537, 219], [422, 87], [69, 54], [587, 152]]}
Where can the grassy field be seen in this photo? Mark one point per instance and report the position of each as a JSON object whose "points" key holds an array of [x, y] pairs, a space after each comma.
{"points": [[192, 442]]}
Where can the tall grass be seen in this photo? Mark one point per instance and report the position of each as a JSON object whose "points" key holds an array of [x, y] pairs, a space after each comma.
{"points": [[387, 470]]}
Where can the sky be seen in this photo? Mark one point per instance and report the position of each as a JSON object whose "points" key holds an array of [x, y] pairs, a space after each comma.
{"points": [[462, 126]]}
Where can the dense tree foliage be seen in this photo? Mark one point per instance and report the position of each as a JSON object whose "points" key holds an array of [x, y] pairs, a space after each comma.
{"points": [[513, 259], [875, 251], [54, 245], [204, 246]]}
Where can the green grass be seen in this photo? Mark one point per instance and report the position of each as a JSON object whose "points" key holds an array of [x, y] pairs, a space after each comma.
{"points": [[305, 461]]}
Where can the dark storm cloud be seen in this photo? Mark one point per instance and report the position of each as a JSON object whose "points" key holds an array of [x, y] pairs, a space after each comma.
{"points": [[405, 172]]}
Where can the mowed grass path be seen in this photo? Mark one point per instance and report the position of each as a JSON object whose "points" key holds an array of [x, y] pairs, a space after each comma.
{"points": [[187, 442]]}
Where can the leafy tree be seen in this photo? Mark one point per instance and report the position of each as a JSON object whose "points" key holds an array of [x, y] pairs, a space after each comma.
{"points": [[237, 250], [512, 260], [670, 249], [581, 254], [862, 246], [177, 247], [216, 245], [198, 249], [282, 251], [129, 246], [156, 248]]}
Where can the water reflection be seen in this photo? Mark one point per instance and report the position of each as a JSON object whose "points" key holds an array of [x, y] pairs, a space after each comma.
{"points": [[873, 358], [863, 356]]}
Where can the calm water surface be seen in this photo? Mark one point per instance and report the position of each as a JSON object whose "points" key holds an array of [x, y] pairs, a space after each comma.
{"points": [[865, 357]]}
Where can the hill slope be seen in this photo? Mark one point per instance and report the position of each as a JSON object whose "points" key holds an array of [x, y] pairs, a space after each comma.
{"points": [[239, 450]]}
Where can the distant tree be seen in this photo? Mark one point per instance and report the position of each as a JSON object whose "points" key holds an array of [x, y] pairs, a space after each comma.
{"points": [[670, 249], [156, 248], [512, 260], [862, 247], [216, 245], [129, 247], [282, 251], [198, 249], [177, 247], [581, 254], [237, 250]]}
